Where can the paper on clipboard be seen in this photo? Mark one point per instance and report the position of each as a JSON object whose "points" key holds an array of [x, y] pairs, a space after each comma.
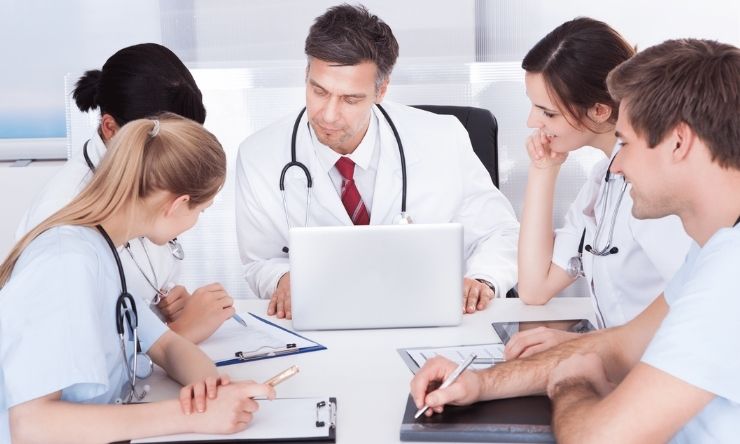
{"points": [[487, 355], [282, 419], [261, 339]]}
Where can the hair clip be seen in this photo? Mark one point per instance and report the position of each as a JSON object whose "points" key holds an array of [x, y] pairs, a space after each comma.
{"points": [[155, 129]]}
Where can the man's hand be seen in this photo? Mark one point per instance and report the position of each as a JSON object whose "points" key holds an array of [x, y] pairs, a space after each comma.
{"points": [[204, 312], [578, 367], [476, 295], [280, 300], [528, 342], [466, 390]]}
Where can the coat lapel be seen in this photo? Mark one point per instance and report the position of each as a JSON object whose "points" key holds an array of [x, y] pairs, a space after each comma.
{"points": [[326, 206], [388, 181]]}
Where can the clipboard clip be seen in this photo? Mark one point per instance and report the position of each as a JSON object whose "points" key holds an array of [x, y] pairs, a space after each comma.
{"points": [[332, 414], [266, 351]]}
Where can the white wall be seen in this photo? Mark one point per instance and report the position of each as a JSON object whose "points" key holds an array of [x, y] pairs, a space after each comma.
{"points": [[439, 39], [19, 186]]}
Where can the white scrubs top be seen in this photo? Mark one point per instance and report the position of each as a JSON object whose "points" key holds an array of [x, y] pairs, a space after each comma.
{"points": [[67, 184], [698, 340], [650, 251], [57, 323]]}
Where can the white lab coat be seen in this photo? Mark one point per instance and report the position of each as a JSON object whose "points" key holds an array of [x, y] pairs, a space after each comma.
{"points": [[64, 186], [446, 183], [621, 285]]}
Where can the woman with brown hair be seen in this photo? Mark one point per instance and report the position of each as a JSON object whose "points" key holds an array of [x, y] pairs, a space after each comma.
{"points": [[625, 261], [71, 337]]}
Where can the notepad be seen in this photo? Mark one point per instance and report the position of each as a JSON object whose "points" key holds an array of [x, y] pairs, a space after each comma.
{"points": [[487, 355], [525, 419], [233, 343], [284, 419]]}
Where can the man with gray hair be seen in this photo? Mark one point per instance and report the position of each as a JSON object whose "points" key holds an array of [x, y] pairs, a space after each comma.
{"points": [[345, 138]]}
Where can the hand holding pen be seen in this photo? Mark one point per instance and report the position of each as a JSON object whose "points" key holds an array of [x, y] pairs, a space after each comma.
{"points": [[204, 312], [441, 381], [193, 396]]}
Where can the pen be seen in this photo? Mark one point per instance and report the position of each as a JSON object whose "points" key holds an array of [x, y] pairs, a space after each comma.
{"points": [[282, 376], [450, 380], [239, 319]]}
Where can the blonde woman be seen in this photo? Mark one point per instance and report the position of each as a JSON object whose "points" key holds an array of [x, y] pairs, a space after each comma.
{"points": [[71, 339]]}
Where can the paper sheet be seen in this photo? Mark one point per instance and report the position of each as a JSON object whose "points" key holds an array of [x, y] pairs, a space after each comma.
{"points": [[487, 354], [286, 418], [258, 338]]}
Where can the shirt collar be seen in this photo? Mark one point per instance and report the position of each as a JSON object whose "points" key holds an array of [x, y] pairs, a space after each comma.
{"points": [[361, 156]]}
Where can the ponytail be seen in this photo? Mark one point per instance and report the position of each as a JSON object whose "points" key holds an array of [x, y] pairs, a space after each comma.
{"points": [[172, 153], [86, 90]]}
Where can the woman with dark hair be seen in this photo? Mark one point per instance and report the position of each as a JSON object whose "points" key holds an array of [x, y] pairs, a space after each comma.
{"points": [[136, 82], [626, 261]]}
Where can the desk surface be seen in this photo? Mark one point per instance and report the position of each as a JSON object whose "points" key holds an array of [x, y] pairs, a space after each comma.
{"points": [[363, 369]]}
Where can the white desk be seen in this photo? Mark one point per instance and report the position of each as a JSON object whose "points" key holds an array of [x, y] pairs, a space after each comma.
{"points": [[365, 372]]}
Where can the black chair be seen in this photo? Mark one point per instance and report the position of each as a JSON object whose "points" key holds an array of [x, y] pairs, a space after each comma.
{"points": [[482, 128]]}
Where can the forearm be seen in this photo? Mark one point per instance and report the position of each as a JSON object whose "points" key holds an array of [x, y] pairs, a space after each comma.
{"points": [[574, 401], [182, 360], [65, 422], [528, 376], [186, 363], [536, 237]]}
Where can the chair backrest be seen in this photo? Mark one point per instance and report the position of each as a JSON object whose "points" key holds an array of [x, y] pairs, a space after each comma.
{"points": [[482, 129]]}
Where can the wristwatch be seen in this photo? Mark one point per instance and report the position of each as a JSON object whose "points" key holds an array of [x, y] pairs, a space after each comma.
{"points": [[489, 285]]}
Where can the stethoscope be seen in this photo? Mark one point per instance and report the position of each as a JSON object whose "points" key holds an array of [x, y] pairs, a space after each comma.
{"points": [[575, 263], [404, 217], [174, 245], [139, 365]]}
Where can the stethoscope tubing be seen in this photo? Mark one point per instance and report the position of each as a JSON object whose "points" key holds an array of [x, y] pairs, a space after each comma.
{"points": [[309, 179]]}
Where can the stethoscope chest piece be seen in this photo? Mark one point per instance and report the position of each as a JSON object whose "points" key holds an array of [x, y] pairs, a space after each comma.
{"points": [[176, 249], [575, 267]]}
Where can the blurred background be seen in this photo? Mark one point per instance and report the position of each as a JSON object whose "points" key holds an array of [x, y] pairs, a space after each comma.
{"points": [[247, 57]]}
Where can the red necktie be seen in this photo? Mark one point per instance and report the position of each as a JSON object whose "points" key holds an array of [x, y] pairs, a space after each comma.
{"points": [[350, 196]]}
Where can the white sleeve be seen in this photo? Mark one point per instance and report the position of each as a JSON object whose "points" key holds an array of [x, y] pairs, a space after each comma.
{"points": [[50, 327], [260, 242], [491, 230], [698, 340]]}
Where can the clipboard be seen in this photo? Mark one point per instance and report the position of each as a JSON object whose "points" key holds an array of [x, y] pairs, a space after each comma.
{"points": [[282, 420], [524, 419], [233, 343]]}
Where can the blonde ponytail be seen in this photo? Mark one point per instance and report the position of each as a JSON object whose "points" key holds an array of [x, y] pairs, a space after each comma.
{"points": [[169, 153]]}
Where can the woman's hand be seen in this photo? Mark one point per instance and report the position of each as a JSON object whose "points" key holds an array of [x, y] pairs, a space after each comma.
{"points": [[194, 395], [538, 148], [231, 411]]}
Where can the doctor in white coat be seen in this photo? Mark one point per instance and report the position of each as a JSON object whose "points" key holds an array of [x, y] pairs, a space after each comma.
{"points": [[350, 56]]}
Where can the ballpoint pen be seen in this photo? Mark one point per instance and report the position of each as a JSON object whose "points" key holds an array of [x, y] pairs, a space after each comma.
{"points": [[239, 319], [450, 380]]}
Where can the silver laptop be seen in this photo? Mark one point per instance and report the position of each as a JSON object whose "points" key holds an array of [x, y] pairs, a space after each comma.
{"points": [[376, 276]]}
